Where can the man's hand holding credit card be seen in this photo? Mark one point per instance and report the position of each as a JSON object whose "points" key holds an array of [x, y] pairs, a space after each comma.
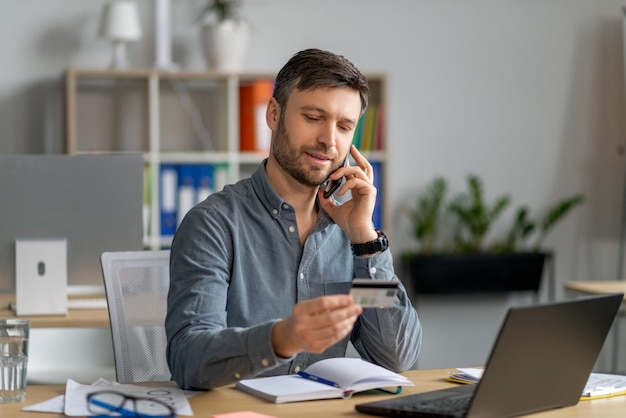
{"points": [[371, 293]]}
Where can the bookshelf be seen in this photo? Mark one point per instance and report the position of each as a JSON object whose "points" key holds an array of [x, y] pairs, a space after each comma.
{"points": [[187, 118]]}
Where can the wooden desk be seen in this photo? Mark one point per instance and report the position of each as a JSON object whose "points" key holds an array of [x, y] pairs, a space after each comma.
{"points": [[76, 318], [229, 399], [597, 287]]}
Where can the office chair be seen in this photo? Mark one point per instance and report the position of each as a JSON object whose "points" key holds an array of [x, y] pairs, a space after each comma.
{"points": [[136, 285]]}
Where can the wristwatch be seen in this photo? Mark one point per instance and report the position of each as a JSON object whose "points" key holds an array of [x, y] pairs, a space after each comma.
{"points": [[380, 244]]}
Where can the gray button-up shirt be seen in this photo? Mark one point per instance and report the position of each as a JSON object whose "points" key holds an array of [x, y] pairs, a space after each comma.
{"points": [[237, 267]]}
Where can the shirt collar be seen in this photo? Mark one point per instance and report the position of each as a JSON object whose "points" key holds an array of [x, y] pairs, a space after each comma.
{"points": [[272, 201]]}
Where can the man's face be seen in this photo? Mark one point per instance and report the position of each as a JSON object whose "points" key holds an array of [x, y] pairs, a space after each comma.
{"points": [[314, 132]]}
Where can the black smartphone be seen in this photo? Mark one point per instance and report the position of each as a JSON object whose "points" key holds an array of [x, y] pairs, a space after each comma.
{"points": [[331, 186]]}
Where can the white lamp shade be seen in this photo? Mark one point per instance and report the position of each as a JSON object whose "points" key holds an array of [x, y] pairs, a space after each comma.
{"points": [[120, 21]]}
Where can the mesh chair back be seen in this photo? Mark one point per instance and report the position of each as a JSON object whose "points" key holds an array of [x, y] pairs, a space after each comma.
{"points": [[136, 285]]}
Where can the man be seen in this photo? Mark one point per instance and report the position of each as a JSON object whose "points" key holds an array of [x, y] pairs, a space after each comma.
{"points": [[260, 271]]}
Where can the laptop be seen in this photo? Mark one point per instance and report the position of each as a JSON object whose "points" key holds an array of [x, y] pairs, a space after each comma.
{"points": [[541, 360]]}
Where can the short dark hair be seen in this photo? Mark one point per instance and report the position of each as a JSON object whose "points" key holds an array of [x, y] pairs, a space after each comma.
{"points": [[315, 68]]}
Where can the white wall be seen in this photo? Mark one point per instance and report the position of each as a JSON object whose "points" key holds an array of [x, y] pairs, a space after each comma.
{"points": [[527, 94]]}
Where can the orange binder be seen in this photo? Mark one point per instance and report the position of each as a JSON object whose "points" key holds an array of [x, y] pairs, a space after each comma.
{"points": [[254, 133]]}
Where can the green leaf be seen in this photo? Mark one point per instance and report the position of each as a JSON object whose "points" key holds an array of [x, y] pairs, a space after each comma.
{"points": [[555, 214]]}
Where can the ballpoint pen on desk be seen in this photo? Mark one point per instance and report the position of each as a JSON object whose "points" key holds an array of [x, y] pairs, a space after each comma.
{"points": [[317, 379]]}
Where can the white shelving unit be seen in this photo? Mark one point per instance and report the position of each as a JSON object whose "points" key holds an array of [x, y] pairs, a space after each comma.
{"points": [[174, 117]]}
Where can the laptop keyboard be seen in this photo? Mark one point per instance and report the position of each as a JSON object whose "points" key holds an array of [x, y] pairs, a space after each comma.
{"points": [[454, 406]]}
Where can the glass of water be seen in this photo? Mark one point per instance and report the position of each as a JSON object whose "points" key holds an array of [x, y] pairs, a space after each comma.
{"points": [[13, 359]]}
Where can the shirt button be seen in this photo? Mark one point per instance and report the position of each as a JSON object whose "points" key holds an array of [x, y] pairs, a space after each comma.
{"points": [[265, 362], [301, 276], [285, 206], [297, 369], [292, 229], [373, 270], [275, 211], [237, 376]]}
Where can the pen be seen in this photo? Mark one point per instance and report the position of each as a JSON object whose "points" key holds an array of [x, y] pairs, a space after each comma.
{"points": [[317, 379]]}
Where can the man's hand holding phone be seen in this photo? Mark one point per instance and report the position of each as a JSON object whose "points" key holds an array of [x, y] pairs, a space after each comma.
{"points": [[330, 186], [355, 215]]}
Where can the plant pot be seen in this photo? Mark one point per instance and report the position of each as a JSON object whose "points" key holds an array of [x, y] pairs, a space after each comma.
{"points": [[226, 44], [476, 273]]}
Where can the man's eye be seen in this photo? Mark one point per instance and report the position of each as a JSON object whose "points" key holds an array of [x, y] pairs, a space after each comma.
{"points": [[345, 128], [311, 118]]}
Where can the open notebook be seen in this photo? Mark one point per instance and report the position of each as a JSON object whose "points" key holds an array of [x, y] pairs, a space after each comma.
{"points": [[541, 360], [326, 379]]}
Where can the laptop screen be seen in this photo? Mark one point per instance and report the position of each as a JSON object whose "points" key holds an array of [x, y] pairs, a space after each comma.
{"points": [[541, 360]]}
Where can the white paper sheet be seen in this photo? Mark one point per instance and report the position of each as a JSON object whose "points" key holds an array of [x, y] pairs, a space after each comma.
{"points": [[55, 405], [76, 396], [74, 402]]}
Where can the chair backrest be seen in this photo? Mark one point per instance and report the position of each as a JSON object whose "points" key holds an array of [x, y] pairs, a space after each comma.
{"points": [[136, 285]]}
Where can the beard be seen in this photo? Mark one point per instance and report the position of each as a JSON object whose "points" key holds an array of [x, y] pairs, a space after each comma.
{"points": [[288, 158]]}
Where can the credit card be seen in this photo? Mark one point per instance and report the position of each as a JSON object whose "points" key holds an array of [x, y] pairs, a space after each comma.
{"points": [[371, 293]]}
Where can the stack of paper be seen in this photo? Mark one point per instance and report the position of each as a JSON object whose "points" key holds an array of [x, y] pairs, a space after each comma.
{"points": [[602, 384], [598, 385], [466, 375]]}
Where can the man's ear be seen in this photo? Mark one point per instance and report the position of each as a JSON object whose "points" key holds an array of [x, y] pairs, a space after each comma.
{"points": [[272, 114]]}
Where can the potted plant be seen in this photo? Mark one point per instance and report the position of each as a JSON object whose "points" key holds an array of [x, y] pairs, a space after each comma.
{"points": [[225, 34], [454, 253]]}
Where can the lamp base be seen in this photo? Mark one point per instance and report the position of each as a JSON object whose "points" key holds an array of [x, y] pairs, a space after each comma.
{"points": [[163, 36], [120, 58]]}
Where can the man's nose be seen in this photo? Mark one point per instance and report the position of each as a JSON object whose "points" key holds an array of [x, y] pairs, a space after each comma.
{"points": [[328, 135]]}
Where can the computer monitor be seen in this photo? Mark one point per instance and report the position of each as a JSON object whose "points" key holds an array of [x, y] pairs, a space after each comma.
{"points": [[94, 201]]}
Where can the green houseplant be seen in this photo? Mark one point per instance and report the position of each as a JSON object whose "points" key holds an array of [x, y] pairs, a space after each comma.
{"points": [[221, 10], [455, 251]]}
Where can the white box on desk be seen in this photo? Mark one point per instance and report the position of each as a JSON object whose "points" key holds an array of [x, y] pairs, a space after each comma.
{"points": [[41, 276]]}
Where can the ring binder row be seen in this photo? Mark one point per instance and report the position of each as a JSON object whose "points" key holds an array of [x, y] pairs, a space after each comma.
{"points": [[369, 132], [184, 185]]}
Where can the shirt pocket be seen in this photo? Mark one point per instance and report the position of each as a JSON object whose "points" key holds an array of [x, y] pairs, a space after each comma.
{"points": [[337, 288]]}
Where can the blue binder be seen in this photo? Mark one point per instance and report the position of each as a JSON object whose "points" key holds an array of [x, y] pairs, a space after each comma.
{"points": [[377, 216], [205, 187], [168, 186]]}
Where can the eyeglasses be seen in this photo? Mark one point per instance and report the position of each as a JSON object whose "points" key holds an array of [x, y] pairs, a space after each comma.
{"points": [[115, 404]]}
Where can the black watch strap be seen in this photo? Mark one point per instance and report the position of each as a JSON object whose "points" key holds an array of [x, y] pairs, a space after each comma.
{"points": [[380, 244]]}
